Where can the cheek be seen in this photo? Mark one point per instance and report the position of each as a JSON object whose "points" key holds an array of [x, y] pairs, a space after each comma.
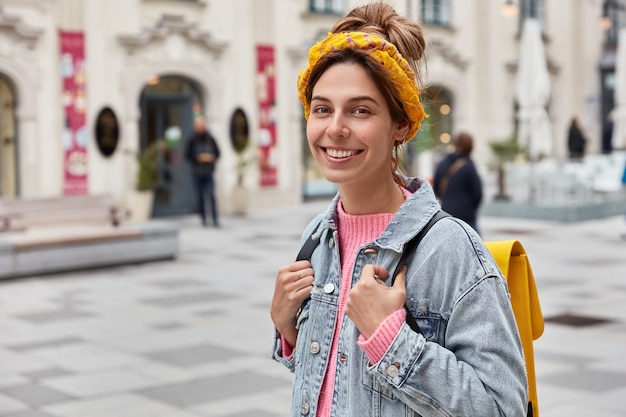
{"points": [[312, 133]]}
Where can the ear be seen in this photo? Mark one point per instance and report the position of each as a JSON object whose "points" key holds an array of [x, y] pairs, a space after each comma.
{"points": [[401, 132]]}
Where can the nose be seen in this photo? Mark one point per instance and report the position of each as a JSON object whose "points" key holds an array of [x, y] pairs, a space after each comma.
{"points": [[337, 127]]}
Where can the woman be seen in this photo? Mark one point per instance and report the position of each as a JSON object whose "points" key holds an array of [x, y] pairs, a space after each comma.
{"points": [[575, 140], [457, 183], [349, 345]]}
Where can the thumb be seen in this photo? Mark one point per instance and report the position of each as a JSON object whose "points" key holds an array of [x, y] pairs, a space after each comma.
{"points": [[400, 280]]}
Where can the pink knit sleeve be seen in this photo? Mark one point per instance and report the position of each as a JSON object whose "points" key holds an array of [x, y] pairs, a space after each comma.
{"points": [[287, 348], [376, 346]]}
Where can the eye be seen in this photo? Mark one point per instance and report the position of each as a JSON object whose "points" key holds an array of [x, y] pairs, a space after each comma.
{"points": [[361, 110], [321, 110]]}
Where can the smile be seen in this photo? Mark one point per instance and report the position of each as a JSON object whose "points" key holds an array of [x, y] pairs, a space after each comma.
{"points": [[340, 153]]}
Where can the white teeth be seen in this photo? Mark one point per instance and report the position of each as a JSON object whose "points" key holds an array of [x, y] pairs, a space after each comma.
{"points": [[339, 154]]}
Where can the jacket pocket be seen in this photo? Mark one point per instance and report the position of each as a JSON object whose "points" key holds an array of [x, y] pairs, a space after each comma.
{"points": [[431, 323], [372, 383]]}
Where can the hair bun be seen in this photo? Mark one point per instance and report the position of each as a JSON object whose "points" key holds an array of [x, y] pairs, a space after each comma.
{"points": [[382, 19]]}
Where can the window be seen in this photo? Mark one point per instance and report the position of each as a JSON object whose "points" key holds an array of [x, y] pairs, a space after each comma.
{"points": [[532, 9], [327, 6], [436, 12]]}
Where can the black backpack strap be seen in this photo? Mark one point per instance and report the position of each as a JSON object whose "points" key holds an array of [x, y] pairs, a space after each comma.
{"points": [[407, 254], [310, 244], [409, 248], [308, 247]]}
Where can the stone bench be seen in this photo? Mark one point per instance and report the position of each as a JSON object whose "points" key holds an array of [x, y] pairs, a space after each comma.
{"points": [[25, 213], [48, 235]]}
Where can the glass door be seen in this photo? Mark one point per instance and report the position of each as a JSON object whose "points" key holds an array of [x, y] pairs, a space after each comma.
{"points": [[168, 119]]}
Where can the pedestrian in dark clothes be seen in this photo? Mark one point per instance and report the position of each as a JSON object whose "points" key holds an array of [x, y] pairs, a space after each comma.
{"points": [[457, 183], [202, 152], [576, 141]]}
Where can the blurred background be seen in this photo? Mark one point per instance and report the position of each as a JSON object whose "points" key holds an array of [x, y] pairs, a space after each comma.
{"points": [[98, 99], [87, 85]]}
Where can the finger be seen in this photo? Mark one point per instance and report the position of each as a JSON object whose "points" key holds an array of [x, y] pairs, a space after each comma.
{"points": [[374, 271], [299, 265], [400, 280], [306, 272], [295, 270]]}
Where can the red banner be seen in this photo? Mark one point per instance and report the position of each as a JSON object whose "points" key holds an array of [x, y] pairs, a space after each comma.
{"points": [[266, 97], [72, 50]]}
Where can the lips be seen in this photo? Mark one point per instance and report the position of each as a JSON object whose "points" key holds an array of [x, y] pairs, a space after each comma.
{"points": [[340, 153]]}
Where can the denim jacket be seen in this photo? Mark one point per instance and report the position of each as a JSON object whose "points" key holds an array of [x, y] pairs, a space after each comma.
{"points": [[467, 361]]}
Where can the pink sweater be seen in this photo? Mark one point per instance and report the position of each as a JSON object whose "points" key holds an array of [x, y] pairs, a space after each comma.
{"points": [[354, 231]]}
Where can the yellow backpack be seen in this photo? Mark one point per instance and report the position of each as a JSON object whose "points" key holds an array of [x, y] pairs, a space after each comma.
{"points": [[513, 262]]}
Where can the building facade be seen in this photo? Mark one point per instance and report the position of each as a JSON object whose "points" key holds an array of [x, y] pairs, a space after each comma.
{"points": [[84, 85]]}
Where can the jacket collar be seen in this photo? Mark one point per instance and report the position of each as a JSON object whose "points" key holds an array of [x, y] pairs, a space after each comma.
{"points": [[410, 218]]}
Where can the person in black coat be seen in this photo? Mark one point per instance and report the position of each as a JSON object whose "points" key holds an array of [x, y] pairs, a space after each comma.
{"points": [[457, 183], [575, 141], [202, 152]]}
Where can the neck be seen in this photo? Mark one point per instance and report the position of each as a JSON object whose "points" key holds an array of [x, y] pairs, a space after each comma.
{"points": [[371, 200]]}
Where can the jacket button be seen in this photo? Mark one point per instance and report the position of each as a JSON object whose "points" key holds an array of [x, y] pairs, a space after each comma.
{"points": [[304, 408], [393, 371], [329, 288], [315, 348], [331, 243]]}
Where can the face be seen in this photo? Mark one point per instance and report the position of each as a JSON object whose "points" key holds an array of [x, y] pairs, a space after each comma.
{"points": [[200, 125], [350, 130]]}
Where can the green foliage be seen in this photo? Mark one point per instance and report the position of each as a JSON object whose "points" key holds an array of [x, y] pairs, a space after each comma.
{"points": [[148, 167], [505, 150]]}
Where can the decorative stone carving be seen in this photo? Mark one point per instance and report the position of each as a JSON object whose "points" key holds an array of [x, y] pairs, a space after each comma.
{"points": [[447, 52], [166, 37], [18, 37]]}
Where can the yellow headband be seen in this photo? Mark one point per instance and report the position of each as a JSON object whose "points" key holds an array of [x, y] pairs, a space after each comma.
{"points": [[386, 54]]}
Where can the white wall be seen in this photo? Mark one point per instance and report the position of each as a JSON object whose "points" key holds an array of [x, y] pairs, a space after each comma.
{"points": [[476, 62]]}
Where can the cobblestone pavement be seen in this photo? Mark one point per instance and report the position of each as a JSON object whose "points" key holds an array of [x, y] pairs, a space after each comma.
{"points": [[192, 337]]}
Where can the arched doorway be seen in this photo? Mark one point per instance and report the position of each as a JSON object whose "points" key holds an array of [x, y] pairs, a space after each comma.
{"points": [[8, 139], [167, 109]]}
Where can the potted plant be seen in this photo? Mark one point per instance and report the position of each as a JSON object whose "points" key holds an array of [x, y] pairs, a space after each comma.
{"points": [[504, 150], [146, 179]]}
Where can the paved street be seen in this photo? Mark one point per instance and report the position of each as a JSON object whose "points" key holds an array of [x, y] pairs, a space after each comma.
{"points": [[192, 337]]}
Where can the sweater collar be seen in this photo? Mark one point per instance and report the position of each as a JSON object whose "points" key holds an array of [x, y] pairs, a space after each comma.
{"points": [[412, 216]]}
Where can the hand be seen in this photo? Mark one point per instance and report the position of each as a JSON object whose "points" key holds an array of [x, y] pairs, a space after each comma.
{"points": [[371, 301], [294, 283], [206, 157]]}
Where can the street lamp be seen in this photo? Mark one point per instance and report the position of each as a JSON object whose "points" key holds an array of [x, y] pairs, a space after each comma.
{"points": [[509, 8]]}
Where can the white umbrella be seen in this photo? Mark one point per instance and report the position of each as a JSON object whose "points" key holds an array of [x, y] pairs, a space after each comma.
{"points": [[619, 116], [533, 92]]}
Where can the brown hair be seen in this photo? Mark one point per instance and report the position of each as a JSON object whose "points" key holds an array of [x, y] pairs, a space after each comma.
{"points": [[463, 143], [376, 71], [380, 19]]}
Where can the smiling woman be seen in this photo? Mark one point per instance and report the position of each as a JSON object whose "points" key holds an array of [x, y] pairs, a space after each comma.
{"points": [[340, 316]]}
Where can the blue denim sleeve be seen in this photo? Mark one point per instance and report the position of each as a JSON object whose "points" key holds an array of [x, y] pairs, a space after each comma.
{"points": [[475, 365]]}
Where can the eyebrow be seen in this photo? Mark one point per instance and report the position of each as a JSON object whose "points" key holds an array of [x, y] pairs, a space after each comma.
{"points": [[351, 100]]}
